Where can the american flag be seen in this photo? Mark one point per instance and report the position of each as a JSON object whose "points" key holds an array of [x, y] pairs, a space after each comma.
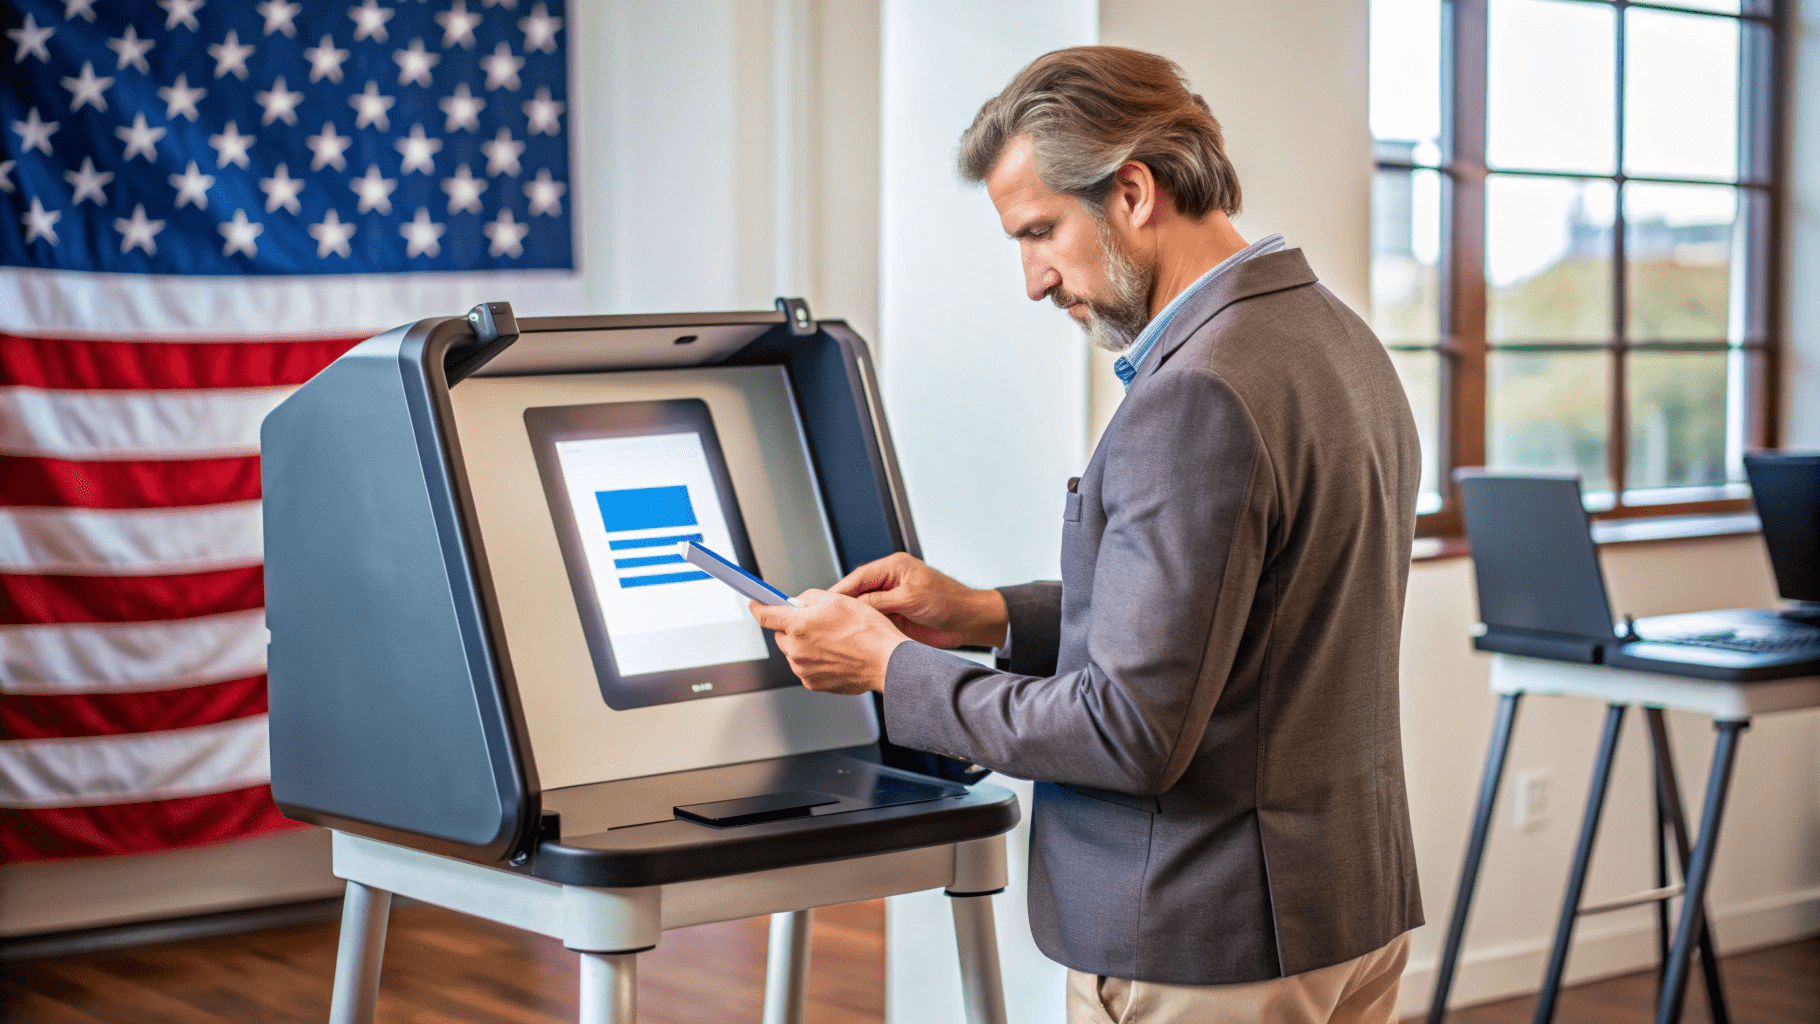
{"points": [[202, 203]]}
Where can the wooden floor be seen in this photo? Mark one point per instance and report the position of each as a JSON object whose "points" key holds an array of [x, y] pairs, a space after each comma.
{"points": [[444, 967]]}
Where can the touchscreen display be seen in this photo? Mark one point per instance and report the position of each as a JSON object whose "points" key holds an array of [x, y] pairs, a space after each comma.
{"points": [[627, 483]]}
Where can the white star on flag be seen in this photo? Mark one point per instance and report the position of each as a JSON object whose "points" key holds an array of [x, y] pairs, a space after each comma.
{"points": [[31, 39], [464, 190], [543, 113], [87, 87], [502, 68], [240, 234], [458, 26], [41, 223], [140, 138], [230, 56], [280, 103], [463, 109], [374, 190], [369, 21], [278, 15], [325, 60], [231, 146], [82, 8], [131, 51], [180, 100], [370, 108], [332, 236], [328, 148], [422, 235], [6, 175], [35, 133], [418, 151], [502, 153], [192, 187], [281, 191], [181, 12], [138, 232], [506, 235], [88, 183], [540, 30], [545, 195], [414, 64]]}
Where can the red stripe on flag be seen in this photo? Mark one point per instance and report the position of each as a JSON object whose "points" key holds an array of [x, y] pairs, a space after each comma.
{"points": [[40, 599], [127, 483], [72, 364], [31, 716], [45, 833]]}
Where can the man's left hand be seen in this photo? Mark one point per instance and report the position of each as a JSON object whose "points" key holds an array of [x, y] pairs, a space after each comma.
{"points": [[835, 644]]}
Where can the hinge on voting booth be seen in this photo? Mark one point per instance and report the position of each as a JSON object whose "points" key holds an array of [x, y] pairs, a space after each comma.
{"points": [[796, 311], [495, 328]]}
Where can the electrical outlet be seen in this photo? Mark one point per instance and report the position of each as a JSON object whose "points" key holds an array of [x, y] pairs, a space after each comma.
{"points": [[1530, 806]]}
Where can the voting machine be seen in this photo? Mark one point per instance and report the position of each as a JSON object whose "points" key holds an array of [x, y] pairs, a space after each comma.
{"points": [[494, 678]]}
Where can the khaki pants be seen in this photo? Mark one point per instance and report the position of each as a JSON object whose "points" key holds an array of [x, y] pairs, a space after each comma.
{"points": [[1361, 991]]}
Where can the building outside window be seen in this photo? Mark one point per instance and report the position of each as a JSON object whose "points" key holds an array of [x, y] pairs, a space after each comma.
{"points": [[1573, 238]]}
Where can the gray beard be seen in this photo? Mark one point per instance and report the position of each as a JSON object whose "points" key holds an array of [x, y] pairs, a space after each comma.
{"points": [[1114, 321]]}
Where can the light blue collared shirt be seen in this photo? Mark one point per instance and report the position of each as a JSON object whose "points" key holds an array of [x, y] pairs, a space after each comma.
{"points": [[1126, 366]]}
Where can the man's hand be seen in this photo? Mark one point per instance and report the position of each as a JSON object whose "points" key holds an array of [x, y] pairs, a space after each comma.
{"points": [[929, 607], [834, 643]]}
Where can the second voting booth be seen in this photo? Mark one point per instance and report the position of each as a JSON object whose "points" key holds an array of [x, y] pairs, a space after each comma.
{"points": [[494, 679]]}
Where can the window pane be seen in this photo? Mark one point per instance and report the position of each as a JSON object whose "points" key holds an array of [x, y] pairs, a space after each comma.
{"points": [[1724, 6], [1679, 241], [1548, 246], [1550, 411], [1687, 422], [1421, 376], [1680, 95], [1406, 255], [1406, 79], [1551, 97]]}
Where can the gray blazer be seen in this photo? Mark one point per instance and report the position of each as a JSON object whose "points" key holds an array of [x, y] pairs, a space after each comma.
{"points": [[1208, 698]]}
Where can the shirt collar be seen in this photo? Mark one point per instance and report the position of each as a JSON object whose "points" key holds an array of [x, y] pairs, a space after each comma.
{"points": [[1126, 365]]}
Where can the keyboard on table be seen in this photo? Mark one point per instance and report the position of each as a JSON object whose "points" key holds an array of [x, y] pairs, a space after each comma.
{"points": [[1781, 639]]}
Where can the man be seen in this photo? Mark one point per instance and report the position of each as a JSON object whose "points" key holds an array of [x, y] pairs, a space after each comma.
{"points": [[1208, 698]]}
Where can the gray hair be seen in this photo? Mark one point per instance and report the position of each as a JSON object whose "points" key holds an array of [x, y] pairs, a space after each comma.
{"points": [[1090, 110]]}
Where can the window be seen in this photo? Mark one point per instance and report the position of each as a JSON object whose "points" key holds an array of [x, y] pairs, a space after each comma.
{"points": [[1573, 241]]}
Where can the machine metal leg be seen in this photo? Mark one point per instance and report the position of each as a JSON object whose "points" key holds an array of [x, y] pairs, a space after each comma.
{"points": [[787, 967], [609, 988], [1576, 879], [1699, 873], [363, 920], [982, 990], [1669, 811], [1475, 853]]}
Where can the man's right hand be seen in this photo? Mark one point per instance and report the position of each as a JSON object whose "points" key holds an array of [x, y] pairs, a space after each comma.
{"points": [[929, 607]]}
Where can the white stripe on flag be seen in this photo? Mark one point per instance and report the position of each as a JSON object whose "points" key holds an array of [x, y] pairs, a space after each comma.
{"points": [[126, 656], [129, 542], [134, 767], [134, 424]]}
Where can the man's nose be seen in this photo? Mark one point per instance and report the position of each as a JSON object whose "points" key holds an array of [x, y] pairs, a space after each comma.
{"points": [[1038, 280]]}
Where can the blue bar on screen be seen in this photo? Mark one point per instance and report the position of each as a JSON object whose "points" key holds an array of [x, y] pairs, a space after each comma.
{"points": [[645, 508], [653, 542], [669, 577], [635, 563]]}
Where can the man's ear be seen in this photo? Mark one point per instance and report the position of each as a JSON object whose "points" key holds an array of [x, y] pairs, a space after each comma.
{"points": [[1135, 198]]}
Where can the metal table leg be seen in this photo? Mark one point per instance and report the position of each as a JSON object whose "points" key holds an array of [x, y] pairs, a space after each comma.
{"points": [[1670, 811], [1699, 873], [609, 988], [787, 967], [1576, 879], [1475, 853], [976, 936], [357, 961]]}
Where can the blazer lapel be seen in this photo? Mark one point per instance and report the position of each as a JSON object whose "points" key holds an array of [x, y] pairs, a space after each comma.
{"points": [[1260, 275]]}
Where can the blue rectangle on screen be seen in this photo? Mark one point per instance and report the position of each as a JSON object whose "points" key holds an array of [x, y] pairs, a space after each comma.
{"points": [[668, 577], [638, 563], [645, 508], [653, 542]]}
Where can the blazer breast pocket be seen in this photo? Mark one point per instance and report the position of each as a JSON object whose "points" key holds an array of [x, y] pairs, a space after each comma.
{"points": [[1071, 512]]}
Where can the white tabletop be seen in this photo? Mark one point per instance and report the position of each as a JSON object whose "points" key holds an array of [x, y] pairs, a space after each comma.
{"points": [[1724, 701]]}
